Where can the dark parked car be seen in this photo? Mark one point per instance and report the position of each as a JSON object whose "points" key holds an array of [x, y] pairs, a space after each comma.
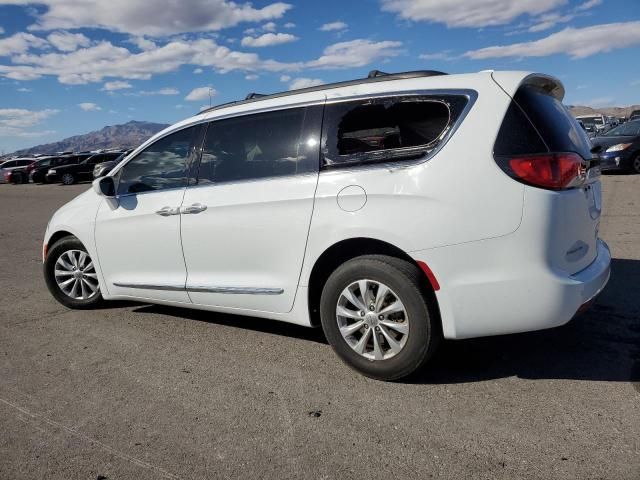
{"points": [[635, 115], [17, 175], [38, 171], [101, 169], [620, 147], [70, 174]]}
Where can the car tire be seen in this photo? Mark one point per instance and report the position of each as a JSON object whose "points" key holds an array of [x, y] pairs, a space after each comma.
{"points": [[416, 330], [68, 179], [635, 165], [68, 261]]}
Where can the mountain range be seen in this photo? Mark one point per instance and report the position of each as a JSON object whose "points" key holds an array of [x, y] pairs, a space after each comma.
{"points": [[130, 134], [608, 111]]}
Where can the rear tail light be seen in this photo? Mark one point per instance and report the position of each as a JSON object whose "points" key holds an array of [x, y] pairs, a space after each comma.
{"points": [[554, 171]]}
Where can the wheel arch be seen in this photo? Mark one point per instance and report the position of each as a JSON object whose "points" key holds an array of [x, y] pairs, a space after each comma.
{"points": [[345, 250]]}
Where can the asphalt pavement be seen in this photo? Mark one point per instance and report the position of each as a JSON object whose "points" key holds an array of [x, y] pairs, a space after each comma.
{"points": [[149, 392]]}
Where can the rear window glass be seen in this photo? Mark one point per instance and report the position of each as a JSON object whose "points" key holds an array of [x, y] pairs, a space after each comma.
{"points": [[383, 129], [559, 130]]}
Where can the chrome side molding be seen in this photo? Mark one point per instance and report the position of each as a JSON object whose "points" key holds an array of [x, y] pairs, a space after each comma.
{"points": [[203, 289], [236, 290]]}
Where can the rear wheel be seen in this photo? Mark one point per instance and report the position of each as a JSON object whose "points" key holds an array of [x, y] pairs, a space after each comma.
{"points": [[71, 276], [635, 165], [68, 179], [376, 315]]}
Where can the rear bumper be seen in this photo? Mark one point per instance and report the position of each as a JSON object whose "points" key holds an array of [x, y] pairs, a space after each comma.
{"points": [[484, 292]]}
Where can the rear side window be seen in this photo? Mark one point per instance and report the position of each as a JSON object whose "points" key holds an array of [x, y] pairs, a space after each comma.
{"points": [[387, 129], [537, 122], [262, 145]]}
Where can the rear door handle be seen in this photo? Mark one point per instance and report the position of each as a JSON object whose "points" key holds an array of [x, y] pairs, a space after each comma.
{"points": [[194, 208], [168, 211]]}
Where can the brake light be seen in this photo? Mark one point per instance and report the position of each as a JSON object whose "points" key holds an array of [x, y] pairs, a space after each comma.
{"points": [[555, 171]]}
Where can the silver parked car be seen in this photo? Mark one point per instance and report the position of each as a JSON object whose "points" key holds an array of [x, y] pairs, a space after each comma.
{"points": [[9, 165]]}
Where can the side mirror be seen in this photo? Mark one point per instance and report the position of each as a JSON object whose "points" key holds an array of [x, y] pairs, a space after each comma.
{"points": [[105, 187]]}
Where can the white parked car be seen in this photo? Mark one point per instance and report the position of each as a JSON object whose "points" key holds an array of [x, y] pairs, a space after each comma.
{"points": [[394, 211]]}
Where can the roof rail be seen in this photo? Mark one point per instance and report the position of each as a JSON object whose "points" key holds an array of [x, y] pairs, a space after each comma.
{"points": [[372, 77], [252, 95]]}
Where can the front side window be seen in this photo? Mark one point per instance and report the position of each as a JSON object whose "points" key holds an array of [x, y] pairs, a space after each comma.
{"points": [[162, 165], [262, 145], [386, 129]]}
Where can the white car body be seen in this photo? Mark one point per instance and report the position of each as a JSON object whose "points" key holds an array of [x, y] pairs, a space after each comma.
{"points": [[500, 250]]}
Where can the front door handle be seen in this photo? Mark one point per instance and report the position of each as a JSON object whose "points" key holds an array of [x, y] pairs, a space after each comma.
{"points": [[168, 211], [194, 208]]}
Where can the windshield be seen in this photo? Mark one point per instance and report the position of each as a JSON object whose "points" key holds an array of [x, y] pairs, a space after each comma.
{"points": [[630, 129]]}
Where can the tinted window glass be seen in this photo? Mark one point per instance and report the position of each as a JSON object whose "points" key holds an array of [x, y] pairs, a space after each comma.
{"points": [[559, 130], [271, 144], [161, 165], [9, 164], [517, 136], [386, 128]]}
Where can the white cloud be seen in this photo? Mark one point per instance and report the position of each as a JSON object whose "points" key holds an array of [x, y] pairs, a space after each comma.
{"points": [[104, 60], [142, 43], [289, 25], [575, 42], [355, 53], [268, 39], [200, 93], [465, 13], [89, 107], [251, 76], [116, 85], [198, 71], [20, 43], [68, 42], [589, 4], [269, 27], [333, 26], [21, 118], [285, 78], [304, 83], [161, 91], [146, 18], [24, 90], [1, 30]]}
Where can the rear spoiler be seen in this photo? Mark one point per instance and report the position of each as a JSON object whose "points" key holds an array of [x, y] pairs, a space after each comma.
{"points": [[511, 81]]}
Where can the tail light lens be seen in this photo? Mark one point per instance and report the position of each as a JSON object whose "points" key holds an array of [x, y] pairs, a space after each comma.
{"points": [[554, 171]]}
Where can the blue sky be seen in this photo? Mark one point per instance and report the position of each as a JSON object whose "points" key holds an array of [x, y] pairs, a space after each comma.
{"points": [[71, 66]]}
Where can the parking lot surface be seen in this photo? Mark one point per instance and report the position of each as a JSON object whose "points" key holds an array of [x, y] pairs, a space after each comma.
{"points": [[149, 392]]}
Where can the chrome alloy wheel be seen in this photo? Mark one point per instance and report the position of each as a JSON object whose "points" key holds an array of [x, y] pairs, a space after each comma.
{"points": [[68, 179], [75, 275], [372, 319]]}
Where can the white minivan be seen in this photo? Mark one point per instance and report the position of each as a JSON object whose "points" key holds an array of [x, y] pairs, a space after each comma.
{"points": [[394, 211]]}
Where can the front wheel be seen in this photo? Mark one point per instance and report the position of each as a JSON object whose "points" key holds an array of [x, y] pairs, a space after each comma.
{"points": [[71, 275], [635, 165], [68, 179], [376, 315]]}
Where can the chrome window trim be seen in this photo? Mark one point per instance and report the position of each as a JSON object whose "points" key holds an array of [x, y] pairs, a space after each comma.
{"points": [[203, 289]]}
